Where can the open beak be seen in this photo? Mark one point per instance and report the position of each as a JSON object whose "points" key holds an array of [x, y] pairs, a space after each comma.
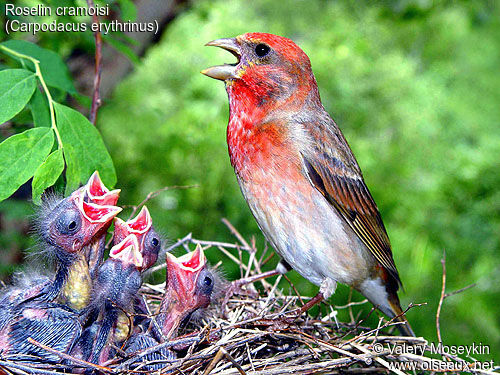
{"points": [[226, 71], [141, 223], [100, 194], [95, 218], [180, 296], [128, 251], [187, 263], [121, 230], [95, 213], [138, 226], [183, 272]]}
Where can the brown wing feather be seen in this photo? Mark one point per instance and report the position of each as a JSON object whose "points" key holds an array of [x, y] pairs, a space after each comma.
{"points": [[341, 182]]}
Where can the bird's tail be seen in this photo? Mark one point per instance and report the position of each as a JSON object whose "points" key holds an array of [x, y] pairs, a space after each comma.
{"points": [[383, 294], [399, 316]]}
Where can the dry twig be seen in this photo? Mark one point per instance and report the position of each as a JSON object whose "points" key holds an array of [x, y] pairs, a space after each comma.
{"points": [[441, 299], [96, 99]]}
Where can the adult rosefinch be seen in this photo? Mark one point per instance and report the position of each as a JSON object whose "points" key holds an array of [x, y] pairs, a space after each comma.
{"points": [[298, 174]]}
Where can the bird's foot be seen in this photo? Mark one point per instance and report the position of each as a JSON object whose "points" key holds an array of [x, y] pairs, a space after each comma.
{"points": [[326, 289], [297, 313]]}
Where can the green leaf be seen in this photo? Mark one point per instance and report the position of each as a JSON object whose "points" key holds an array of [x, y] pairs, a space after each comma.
{"points": [[84, 149], [47, 174], [16, 88], [54, 70], [128, 10], [20, 156], [122, 47], [40, 109]]}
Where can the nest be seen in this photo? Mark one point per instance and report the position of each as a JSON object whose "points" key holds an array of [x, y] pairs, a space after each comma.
{"points": [[256, 330]]}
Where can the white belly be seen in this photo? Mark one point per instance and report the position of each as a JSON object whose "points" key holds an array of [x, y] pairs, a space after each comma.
{"points": [[307, 232]]}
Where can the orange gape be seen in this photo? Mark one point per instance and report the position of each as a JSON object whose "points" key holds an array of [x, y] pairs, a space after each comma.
{"points": [[298, 174]]}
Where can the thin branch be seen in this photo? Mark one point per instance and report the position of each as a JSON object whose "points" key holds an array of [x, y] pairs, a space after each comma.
{"points": [[236, 234], [441, 299], [459, 290], [96, 99], [231, 359], [217, 358], [294, 289]]}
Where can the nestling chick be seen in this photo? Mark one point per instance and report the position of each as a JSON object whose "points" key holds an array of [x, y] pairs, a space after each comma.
{"points": [[76, 293], [142, 227], [66, 226], [110, 316], [189, 287], [118, 281]]}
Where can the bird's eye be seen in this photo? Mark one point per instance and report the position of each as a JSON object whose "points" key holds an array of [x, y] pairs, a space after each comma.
{"points": [[68, 222], [262, 49], [152, 246], [207, 281], [72, 226]]}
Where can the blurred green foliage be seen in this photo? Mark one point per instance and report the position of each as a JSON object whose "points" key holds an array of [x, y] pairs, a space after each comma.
{"points": [[414, 87], [413, 84]]}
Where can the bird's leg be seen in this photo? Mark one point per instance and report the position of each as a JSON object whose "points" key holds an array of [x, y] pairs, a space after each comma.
{"points": [[281, 268], [297, 313], [312, 302], [326, 289]]}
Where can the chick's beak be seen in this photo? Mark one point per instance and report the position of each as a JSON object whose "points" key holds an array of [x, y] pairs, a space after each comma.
{"points": [[180, 297], [95, 213], [183, 272], [128, 252], [226, 71], [99, 193], [121, 230], [96, 218], [141, 223]]}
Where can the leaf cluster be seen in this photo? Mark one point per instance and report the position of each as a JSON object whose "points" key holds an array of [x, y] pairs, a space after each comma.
{"points": [[62, 138]]}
